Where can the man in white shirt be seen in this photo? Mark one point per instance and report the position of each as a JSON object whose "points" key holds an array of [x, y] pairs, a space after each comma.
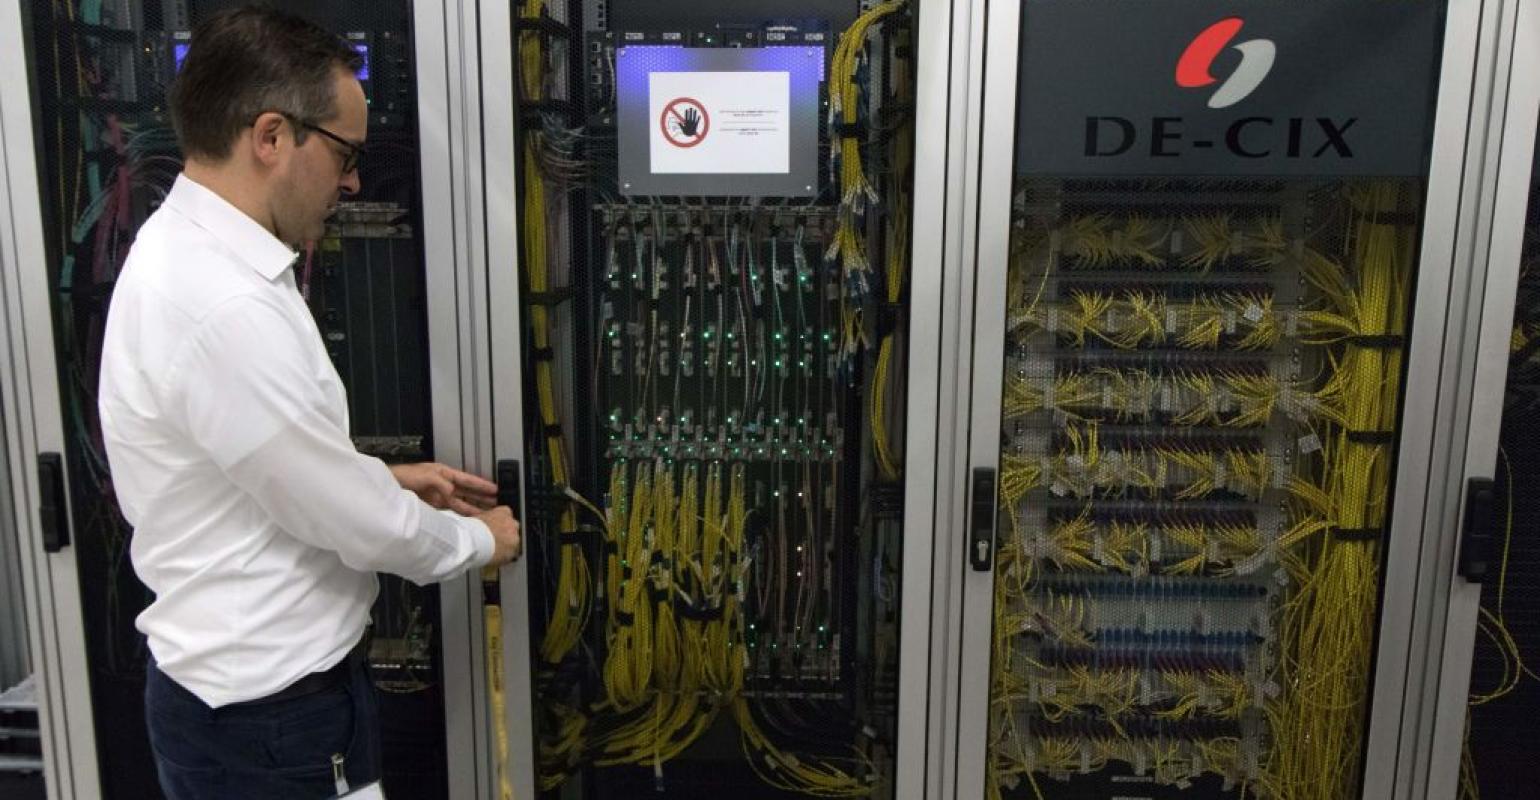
{"points": [[257, 524]]}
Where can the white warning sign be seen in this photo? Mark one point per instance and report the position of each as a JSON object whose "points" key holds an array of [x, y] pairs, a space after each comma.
{"points": [[720, 123]]}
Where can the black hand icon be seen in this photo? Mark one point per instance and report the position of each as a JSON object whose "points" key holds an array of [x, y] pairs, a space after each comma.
{"points": [[690, 123]]}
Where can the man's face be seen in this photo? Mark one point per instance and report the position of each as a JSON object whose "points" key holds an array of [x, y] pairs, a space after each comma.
{"points": [[312, 180]]}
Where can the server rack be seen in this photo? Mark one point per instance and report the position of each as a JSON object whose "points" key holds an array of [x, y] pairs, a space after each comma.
{"points": [[89, 153], [1218, 299], [801, 421]]}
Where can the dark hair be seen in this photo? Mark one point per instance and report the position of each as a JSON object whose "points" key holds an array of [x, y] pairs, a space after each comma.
{"points": [[248, 61]]}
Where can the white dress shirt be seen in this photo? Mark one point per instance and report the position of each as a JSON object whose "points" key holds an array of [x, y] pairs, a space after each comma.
{"points": [[257, 524]]}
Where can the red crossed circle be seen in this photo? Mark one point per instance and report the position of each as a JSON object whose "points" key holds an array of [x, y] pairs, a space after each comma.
{"points": [[674, 112]]}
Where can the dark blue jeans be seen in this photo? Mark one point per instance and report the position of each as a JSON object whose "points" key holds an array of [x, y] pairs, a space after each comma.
{"points": [[262, 751]]}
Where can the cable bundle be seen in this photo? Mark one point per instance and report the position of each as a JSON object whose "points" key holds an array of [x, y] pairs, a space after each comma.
{"points": [[1165, 431], [1329, 626]]}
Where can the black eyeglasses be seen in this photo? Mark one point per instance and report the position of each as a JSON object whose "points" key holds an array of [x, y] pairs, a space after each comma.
{"points": [[350, 157]]}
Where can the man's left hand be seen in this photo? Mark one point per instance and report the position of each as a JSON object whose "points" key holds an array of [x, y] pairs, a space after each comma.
{"points": [[445, 487]]}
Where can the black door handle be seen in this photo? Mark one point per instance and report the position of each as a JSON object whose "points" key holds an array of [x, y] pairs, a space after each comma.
{"points": [[509, 480], [51, 511], [981, 523], [1480, 529]]}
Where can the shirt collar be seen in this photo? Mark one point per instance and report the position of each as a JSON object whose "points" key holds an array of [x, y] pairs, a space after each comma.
{"points": [[247, 239]]}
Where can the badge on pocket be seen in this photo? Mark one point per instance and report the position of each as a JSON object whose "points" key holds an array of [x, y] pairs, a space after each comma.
{"points": [[369, 791]]}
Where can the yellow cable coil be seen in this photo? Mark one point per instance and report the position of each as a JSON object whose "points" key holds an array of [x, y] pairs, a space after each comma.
{"points": [[493, 620]]}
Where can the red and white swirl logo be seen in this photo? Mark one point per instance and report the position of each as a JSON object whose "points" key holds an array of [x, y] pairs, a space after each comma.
{"points": [[1193, 69]]}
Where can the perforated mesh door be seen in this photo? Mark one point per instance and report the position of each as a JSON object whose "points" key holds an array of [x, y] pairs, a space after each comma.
{"points": [[107, 156], [715, 368], [1207, 322]]}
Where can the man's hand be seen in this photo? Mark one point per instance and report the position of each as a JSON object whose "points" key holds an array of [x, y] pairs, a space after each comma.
{"points": [[507, 542], [447, 488]]}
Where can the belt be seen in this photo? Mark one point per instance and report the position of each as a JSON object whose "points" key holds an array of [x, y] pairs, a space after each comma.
{"points": [[317, 682]]}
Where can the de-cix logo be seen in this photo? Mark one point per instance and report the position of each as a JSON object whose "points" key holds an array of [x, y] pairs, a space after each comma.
{"points": [[1252, 137]]}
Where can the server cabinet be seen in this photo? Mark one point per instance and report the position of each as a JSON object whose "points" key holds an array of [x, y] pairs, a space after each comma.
{"points": [[715, 248], [89, 154], [1215, 264]]}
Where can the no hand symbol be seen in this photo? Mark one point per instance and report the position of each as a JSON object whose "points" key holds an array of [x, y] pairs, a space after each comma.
{"points": [[684, 122]]}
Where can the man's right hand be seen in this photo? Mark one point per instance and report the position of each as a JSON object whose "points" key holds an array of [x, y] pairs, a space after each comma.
{"points": [[507, 542]]}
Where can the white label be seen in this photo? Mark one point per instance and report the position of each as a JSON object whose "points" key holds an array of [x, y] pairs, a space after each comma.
{"points": [[1309, 443], [1253, 313], [719, 123]]}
